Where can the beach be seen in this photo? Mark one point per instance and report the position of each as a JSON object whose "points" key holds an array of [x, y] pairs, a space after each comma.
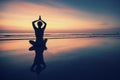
{"points": [[59, 39], [66, 59]]}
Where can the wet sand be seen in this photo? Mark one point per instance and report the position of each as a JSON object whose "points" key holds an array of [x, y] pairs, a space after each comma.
{"points": [[66, 59]]}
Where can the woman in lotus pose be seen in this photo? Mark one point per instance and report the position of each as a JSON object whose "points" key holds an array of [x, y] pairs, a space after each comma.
{"points": [[39, 33]]}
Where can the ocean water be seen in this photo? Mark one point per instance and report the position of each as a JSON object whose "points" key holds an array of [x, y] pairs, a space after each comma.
{"points": [[29, 36], [70, 56]]}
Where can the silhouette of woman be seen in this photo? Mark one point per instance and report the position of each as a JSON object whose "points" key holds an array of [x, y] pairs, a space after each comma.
{"points": [[39, 32]]}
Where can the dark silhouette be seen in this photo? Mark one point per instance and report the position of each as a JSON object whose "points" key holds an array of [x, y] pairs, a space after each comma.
{"points": [[39, 31], [38, 64], [39, 46]]}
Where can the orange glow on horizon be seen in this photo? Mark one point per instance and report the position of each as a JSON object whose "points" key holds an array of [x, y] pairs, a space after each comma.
{"points": [[16, 17], [63, 45]]}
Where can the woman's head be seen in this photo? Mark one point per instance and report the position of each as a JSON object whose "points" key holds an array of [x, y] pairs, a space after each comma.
{"points": [[39, 24]]}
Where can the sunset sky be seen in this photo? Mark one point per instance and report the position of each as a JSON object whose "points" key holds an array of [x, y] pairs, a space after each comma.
{"points": [[60, 15]]}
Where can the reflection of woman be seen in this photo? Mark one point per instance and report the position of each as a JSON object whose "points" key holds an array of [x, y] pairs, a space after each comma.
{"points": [[39, 31], [38, 64]]}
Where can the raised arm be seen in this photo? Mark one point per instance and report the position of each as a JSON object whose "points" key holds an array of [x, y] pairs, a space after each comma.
{"points": [[33, 24], [44, 24]]}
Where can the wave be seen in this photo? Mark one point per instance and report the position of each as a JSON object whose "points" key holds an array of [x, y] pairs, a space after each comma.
{"points": [[31, 36]]}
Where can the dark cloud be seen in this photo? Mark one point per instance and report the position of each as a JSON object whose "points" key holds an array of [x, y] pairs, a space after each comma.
{"points": [[111, 7], [105, 23]]}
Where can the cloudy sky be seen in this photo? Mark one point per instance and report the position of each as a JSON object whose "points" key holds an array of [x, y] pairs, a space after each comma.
{"points": [[60, 15]]}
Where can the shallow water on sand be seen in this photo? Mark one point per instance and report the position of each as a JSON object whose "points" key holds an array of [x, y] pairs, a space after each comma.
{"points": [[66, 59]]}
